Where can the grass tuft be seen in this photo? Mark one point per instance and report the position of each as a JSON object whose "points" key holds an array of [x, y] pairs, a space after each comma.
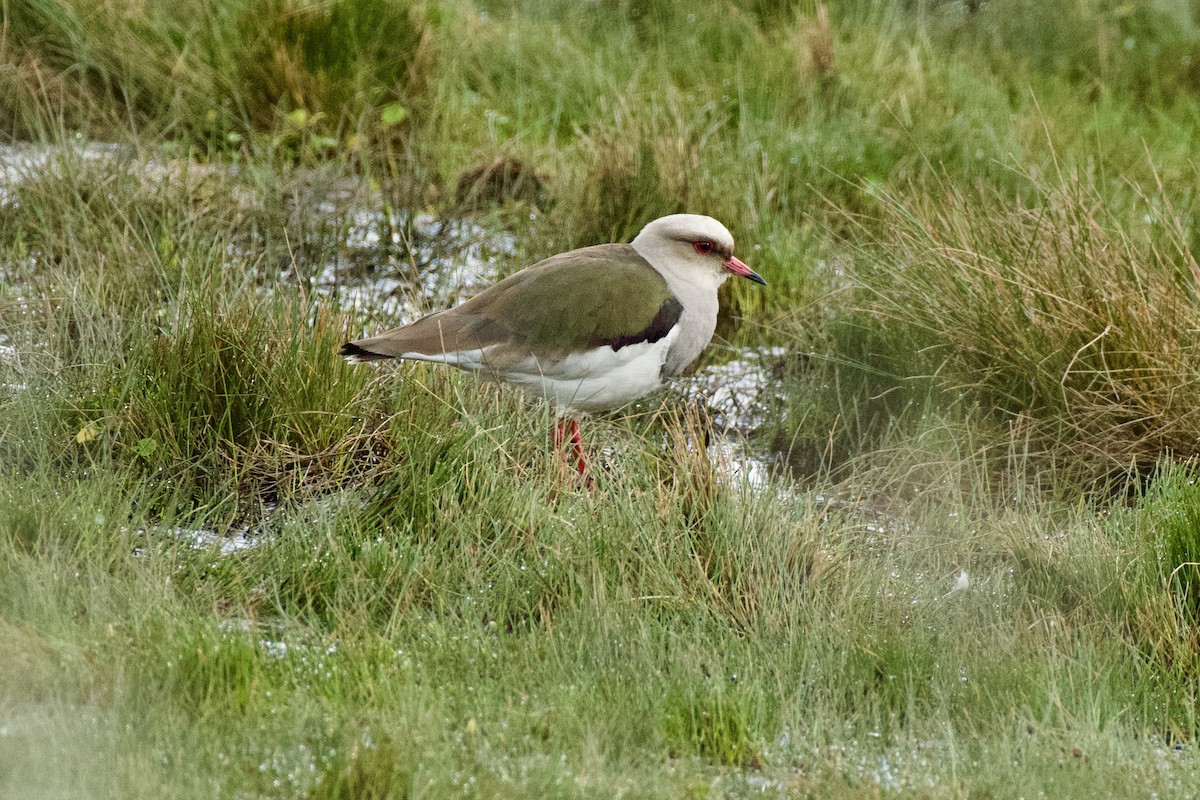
{"points": [[712, 726], [369, 770], [1062, 322]]}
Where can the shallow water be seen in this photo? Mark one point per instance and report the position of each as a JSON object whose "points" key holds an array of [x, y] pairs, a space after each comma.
{"points": [[244, 537], [21, 162], [465, 257], [737, 391]]}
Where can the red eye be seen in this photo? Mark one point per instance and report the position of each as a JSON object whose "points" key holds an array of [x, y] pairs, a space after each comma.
{"points": [[703, 248]]}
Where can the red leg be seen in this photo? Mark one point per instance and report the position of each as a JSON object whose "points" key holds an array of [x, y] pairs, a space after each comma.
{"points": [[567, 430], [581, 460], [581, 464]]}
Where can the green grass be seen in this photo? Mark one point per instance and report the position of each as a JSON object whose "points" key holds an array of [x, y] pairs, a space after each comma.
{"points": [[978, 578]]}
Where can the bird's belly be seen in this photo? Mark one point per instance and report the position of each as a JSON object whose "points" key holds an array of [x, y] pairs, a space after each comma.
{"points": [[597, 380]]}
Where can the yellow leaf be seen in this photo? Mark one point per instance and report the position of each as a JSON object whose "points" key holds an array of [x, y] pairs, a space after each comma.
{"points": [[88, 432], [298, 117], [393, 114]]}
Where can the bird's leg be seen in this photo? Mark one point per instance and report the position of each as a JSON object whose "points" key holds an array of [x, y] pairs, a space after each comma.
{"points": [[581, 463], [566, 433]]}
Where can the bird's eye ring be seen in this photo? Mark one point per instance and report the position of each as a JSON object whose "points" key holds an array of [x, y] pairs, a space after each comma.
{"points": [[703, 248]]}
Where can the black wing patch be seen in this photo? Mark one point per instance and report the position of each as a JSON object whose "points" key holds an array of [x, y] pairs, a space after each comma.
{"points": [[667, 317]]}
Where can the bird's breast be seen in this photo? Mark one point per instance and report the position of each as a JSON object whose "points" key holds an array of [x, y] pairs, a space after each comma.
{"points": [[696, 327]]}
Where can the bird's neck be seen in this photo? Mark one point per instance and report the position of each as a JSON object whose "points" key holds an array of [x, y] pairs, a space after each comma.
{"points": [[696, 290]]}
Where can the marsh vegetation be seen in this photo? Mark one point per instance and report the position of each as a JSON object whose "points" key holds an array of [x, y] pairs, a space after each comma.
{"points": [[231, 565]]}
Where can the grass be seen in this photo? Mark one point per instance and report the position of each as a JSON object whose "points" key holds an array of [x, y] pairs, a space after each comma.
{"points": [[1063, 322], [977, 579]]}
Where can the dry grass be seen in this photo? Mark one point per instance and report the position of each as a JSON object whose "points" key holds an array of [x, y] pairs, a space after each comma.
{"points": [[815, 47], [1076, 328]]}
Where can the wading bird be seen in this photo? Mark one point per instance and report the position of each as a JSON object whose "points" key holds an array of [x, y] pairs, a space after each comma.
{"points": [[590, 329]]}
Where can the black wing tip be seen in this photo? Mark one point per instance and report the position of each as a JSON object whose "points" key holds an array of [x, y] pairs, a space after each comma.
{"points": [[359, 355]]}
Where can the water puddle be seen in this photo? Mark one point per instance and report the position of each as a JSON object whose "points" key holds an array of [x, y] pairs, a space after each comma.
{"points": [[737, 393], [237, 540], [275, 640], [24, 162], [414, 268], [10, 367]]}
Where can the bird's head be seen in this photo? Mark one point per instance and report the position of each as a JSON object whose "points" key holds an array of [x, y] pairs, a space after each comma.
{"points": [[694, 247]]}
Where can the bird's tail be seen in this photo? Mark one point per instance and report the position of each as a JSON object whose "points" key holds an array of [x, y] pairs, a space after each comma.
{"points": [[357, 354]]}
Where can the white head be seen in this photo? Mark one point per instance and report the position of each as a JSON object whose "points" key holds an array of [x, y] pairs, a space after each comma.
{"points": [[692, 247]]}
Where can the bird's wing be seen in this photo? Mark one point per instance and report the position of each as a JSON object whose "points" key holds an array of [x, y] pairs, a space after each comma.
{"points": [[571, 302]]}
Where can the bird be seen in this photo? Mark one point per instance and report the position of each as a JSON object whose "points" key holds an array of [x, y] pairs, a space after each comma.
{"points": [[591, 329]]}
